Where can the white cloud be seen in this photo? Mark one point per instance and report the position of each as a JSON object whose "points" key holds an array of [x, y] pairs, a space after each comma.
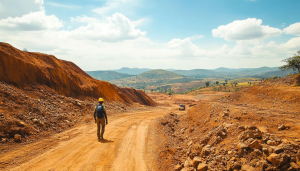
{"points": [[84, 19], [115, 42], [293, 29], [112, 6], [293, 44], [112, 29], [63, 5], [197, 37], [140, 22], [34, 21], [248, 29], [17, 8], [40, 2], [107, 8], [185, 48]]}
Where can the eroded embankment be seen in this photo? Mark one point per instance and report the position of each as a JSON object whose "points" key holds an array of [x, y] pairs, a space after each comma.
{"points": [[28, 68], [37, 111], [256, 128], [41, 95]]}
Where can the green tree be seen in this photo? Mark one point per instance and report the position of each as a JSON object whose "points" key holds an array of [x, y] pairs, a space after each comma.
{"points": [[225, 80], [207, 84], [217, 82], [292, 63]]}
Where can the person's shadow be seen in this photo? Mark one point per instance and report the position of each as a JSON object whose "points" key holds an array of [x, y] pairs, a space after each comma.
{"points": [[105, 141]]}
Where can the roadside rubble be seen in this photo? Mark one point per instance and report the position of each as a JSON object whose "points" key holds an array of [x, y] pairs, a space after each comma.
{"points": [[252, 150], [37, 111]]}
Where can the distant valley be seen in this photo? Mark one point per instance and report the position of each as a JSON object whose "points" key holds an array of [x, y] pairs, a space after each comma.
{"points": [[180, 81]]}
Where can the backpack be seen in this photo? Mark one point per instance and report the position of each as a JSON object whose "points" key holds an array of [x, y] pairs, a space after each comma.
{"points": [[100, 111]]}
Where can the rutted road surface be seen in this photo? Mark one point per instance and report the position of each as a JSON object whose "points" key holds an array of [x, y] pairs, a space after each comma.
{"points": [[124, 147]]}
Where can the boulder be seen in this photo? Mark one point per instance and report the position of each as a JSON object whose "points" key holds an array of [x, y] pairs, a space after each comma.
{"points": [[278, 159], [257, 152], [251, 127], [205, 151], [17, 137], [196, 160], [278, 150], [241, 128], [188, 162], [281, 127], [255, 145], [202, 167], [4, 140], [178, 167], [294, 166], [271, 142], [298, 158], [246, 135], [237, 166], [247, 168], [262, 164], [273, 158], [257, 133], [20, 123], [35, 121], [242, 146]]}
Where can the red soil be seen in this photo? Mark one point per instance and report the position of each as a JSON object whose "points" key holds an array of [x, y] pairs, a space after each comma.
{"points": [[29, 68], [137, 96], [266, 107]]}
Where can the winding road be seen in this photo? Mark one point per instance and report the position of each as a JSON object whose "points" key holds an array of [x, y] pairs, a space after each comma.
{"points": [[124, 148]]}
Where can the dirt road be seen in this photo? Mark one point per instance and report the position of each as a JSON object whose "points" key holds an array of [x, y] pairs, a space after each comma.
{"points": [[78, 149]]}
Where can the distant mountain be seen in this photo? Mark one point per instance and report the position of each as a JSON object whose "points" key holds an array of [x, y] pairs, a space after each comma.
{"points": [[132, 71], [107, 75], [159, 74], [231, 73], [170, 69], [275, 73], [197, 73], [222, 69], [262, 72]]}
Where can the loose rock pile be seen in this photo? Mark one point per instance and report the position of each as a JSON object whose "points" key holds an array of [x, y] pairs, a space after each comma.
{"points": [[250, 148], [38, 110]]}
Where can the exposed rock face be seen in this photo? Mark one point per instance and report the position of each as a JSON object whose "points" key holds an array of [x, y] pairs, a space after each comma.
{"points": [[29, 68], [17, 137], [202, 167], [137, 96], [250, 150]]}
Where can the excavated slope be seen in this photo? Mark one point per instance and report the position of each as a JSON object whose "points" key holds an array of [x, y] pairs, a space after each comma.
{"points": [[137, 96], [28, 68], [255, 128]]}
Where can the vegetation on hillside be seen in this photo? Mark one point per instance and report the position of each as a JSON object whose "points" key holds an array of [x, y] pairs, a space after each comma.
{"points": [[107, 75], [159, 74], [186, 81], [292, 63]]}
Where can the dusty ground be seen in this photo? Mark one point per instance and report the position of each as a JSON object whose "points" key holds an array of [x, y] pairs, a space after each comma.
{"points": [[219, 131], [127, 144], [255, 128]]}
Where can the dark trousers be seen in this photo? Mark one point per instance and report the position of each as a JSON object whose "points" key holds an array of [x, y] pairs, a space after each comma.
{"points": [[102, 122]]}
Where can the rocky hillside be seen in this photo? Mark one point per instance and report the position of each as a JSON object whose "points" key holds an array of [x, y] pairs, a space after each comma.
{"points": [[28, 68], [256, 128], [41, 95]]}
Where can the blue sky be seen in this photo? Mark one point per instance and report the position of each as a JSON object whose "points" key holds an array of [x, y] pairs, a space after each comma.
{"points": [[110, 34]]}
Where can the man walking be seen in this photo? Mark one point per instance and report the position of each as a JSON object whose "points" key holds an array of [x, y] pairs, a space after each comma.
{"points": [[99, 115]]}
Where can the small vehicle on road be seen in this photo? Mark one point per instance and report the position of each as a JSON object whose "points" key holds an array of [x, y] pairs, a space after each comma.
{"points": [[182, 107]]}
